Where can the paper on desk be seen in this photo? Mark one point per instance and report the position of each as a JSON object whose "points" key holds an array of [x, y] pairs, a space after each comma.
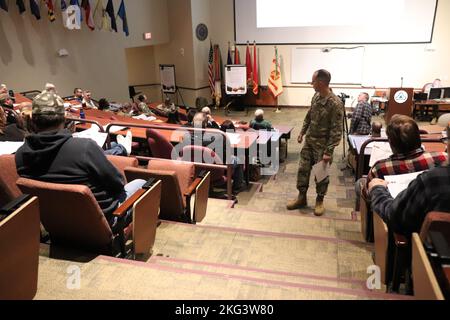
{"points": [[9, 147], [380, 151], [321, 171], [93, 134], [144, 117], [234, 138], [114, 128], [400, 182]]}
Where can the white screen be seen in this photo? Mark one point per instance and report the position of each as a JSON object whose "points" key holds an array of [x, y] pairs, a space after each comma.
{"points": [[332, 21]]}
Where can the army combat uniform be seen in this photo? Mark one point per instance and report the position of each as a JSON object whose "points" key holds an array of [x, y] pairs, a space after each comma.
{"points": [[322, 130]]}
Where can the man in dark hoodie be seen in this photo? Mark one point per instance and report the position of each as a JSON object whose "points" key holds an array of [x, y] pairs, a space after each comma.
{"points": [[53, 155]]}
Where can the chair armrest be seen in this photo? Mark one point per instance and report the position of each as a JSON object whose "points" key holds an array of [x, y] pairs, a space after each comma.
{"points": [[400, 240], [124, 207], [193, 187]]}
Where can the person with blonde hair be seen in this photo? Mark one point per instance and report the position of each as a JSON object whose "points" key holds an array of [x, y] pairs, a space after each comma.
{"points": [[259, 123]]}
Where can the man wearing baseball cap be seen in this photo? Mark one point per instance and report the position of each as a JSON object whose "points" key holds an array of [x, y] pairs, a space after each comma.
{"points": [[53, 155]]}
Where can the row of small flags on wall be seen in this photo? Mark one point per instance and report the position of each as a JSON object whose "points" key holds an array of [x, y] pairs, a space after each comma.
{"points": [[215, 67], [101, 18]]}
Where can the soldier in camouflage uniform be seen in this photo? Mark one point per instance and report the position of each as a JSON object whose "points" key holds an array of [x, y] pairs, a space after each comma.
{"points": [[322, 130]]}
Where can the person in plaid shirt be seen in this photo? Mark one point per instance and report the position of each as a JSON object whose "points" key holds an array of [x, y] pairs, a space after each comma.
{"points": [[362, 117], [406, 213], [409, 156]]}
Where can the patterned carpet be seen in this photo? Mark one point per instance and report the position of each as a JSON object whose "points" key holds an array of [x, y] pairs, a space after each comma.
{"points": [[254, 250]]}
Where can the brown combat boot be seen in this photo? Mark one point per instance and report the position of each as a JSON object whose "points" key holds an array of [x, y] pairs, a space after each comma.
{"points": [[298, 203], [319, 210]]}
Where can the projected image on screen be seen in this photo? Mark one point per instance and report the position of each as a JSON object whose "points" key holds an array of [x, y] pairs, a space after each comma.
{"points": [[307, 13], [332, 21]]}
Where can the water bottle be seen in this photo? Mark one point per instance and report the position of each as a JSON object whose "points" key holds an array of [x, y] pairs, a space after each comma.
{"points": [[82, 114]]}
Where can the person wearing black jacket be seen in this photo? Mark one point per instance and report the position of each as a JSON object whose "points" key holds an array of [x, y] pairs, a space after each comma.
{"points": [[53, 155], [406, 213]]}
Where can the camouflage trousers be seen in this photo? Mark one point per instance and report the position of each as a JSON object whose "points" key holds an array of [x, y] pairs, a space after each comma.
{"points": [[309, 156]]}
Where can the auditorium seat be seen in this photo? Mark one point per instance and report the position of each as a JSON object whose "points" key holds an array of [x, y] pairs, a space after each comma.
{"points": [[159, 146], [179, 184], [19, 247], [8, 177], [73, 218]]}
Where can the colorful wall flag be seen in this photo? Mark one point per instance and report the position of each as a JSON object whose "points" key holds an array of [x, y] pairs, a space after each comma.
{"points": [[123, 15], [21, 6], [255, 71], [111, 13], [86, 5], [237, 58], [76, 4], [248, 63], [275, 82], [211, 71], [51, 10], [34, 6], [229, 59], [217, 74], [101, 17], [4, 5]]}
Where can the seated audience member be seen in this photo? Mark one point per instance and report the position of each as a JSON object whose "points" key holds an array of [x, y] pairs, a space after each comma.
{"points": [[165, 109], [362, 117], [7, 104], [173, 118], [238, 169], [104, 105], [408, 154], [376, 129], [143, 106], [53, 155], [78, 95], [199, 137], [87, 101], [259, 123], [211, 123], [3, 89], [406, 213], [126, 110], [190, 118], [10, 132]]}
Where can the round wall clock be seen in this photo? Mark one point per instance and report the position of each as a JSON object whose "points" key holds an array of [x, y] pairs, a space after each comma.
{"points": [[201, 32]]}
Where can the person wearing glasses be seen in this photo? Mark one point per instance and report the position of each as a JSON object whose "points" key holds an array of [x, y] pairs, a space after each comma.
{"points": [[406, 213]]}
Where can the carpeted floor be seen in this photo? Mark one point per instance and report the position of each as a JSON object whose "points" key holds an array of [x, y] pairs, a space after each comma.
{"points": [[254, 250]]}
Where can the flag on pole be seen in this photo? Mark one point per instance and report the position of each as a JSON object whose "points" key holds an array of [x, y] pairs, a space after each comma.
{"points": [[65, 18], [237, 58], [101, 17], [51, 10], [86, 5], [255, 70], [229, 59], [275, 82], [77, 4], [248, 63], [217, 74], [123, 15], [4, 5], [21, 6], [211, 70], [35, 11], [111, 13]]}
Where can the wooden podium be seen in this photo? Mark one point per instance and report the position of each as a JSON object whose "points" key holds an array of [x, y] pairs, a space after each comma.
{"points": [[400, 101]]}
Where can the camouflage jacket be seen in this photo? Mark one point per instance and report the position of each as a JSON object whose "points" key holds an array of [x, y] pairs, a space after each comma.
{"points": [[324, 123]]}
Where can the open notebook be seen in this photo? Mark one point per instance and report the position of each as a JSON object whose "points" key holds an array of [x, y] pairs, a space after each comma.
{"points": [[400, 182]]}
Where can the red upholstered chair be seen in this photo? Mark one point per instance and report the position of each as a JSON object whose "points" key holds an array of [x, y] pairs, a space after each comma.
{"points": [[19, 247], [159, 146], [123, 162], [179, 185], [200, 154], [8, 177], [72, 216]]}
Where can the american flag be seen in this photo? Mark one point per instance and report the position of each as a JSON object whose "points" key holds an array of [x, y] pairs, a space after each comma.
{"points": [[211, 71]]}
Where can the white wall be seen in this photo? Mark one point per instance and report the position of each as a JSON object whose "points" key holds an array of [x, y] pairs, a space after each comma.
{"points": [[384, 65], [97, 60]]}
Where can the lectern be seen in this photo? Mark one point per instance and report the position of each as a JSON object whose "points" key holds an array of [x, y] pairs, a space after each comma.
{"points": [[400, 101]]}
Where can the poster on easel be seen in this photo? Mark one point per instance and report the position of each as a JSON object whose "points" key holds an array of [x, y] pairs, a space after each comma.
{"points": [[235, 80], [167, 74]]}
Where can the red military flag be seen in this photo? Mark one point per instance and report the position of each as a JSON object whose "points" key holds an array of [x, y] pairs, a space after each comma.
{"points": [[275, 82], [50, 10], [255, 70], [237, 58], [86, 5], [248, 63]]}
